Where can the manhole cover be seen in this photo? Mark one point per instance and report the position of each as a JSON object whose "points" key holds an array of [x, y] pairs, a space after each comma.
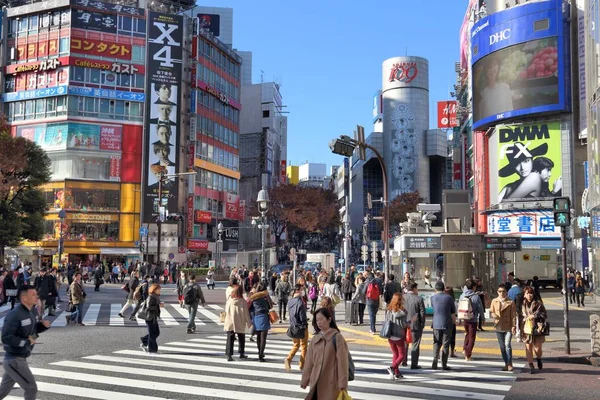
{"points": [[563, 349]]}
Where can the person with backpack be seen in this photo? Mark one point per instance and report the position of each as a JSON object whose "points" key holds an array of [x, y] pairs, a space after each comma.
{"points": [[282, 292], [130, 288], [140, 295], [469, 310], [192, 296], [372, 293], [298, 330], [327, 366]]}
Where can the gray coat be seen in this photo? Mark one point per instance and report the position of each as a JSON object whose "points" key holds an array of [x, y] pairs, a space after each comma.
{"points": [[443, 310], [415, 306], [360, 294]]}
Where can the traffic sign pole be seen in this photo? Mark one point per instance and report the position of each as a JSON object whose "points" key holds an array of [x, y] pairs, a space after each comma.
{"points": [[563, 237]]}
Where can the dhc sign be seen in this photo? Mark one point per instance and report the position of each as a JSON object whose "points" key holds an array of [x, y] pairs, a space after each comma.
{"points": [[500, 36]]}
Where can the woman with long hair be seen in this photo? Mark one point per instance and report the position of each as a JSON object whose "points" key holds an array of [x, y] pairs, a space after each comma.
{"points": [[534, 315], [237, 318], [259, 305], [397, 314], [326, 302], [361, 298], [326, 365], [153, 305], [181, 282], [313, 294], [233, 282]]}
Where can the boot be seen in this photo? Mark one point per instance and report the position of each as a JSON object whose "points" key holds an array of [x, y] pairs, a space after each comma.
{"points": [[539, 363], [531, 368]]}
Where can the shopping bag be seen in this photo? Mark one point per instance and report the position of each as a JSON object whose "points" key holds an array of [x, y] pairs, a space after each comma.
{"points": [[273, 316], [344, 395], [409, 338], [528, 328], [222, 317]]}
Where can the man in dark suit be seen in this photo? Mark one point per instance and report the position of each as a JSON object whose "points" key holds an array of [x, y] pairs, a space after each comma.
{"points": [[163, 91], [164, 114], [443, 312], [415, 315]]}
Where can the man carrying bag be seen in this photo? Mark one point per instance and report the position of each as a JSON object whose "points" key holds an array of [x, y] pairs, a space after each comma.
{"points": [[298, 330]]}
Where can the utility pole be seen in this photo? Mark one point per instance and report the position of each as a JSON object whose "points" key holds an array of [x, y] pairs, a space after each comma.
{"points": [[160, 217], [562, 218]]}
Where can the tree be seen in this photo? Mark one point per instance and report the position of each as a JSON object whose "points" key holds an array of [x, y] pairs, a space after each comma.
{"points": [[24, 167], [403, 204]]}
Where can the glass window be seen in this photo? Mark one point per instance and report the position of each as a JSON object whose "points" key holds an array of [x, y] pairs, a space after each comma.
{"points": [[50, 107], [61, 105], [119, 107], [93, 199], [94, 75], [99, 231], [29, 109], [78, 74], [125, 80], [126, 23], [40, 108], [56, 18], [138, 54], [64, 45], [94, 166], [23, 24], [89, 104], [33, 23], [104, 106], [141, 25]]}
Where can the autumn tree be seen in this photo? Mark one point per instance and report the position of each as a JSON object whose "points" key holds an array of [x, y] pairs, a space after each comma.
{"points": [[403, 204], [24, 167]]}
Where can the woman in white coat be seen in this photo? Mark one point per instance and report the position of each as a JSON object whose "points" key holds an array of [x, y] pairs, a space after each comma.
{"points": [[237, 319]]}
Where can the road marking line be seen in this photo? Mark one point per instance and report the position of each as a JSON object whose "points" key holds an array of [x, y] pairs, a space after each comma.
{"points": [[214, 318], [186, 314], [91, 315], [167, 318], [90, 393], [216, 307], [114, 319], [155, 385]]}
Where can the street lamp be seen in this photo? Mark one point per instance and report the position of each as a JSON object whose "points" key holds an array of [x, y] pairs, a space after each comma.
{"points": [[161, 212], [263, 206], [62, 214], [219, 243], [345, 146]]}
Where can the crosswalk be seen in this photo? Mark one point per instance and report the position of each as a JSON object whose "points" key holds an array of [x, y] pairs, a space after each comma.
{"points": [[197, 368], [106, 314]]}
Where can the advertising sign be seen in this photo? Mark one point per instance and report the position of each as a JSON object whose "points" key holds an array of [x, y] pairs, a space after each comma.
{"points": [[446, 114], [94, 21], [115, 168], [102, 48], [35, 94], [523, 223], [518, 63], [197, 244], [163, 83], [511, 243], [44, 48], [190, 215], [283, 173], [103, 7], [232, 206], [117, 67], [529, 162], [48, 136], [41, 79], [209, 23], [73, 135], [202, 217], [107, 93], [37, 66]]}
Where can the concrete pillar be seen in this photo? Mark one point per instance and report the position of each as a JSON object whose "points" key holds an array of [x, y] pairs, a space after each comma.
{"points": [[457, 269]]}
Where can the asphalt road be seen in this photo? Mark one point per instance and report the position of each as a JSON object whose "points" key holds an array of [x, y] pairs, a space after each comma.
{"points": [[104, 361]]}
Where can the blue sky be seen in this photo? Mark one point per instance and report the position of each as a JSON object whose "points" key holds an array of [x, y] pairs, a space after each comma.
{"points": [[327, 55]]}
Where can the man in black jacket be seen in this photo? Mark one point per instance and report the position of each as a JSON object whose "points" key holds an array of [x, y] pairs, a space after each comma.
{"points": [[45, 288], [415, 315], [390, 288], [298, 324], [19, 333]]}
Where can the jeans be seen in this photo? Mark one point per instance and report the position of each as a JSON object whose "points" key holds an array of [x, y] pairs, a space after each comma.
{"points": [[302, 345], [504, 339], [470, 336], [193, 309], [313, 307], [399, 353], [150, 339], [231, 339], [580, 299], [372, 315], [361, 313], [78, 313]]}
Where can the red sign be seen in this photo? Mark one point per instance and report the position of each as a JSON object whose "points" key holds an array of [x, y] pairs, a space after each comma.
{"points": [[404, 72], [117, 67], [110, 138], [41, 80], [447, 114], [232, 206], [221, 96], [242, 210], [191, 155], [197, 244], [190, 215], [283, 172], [115, 168], [37, 66], [202, 217], [101, 48]]}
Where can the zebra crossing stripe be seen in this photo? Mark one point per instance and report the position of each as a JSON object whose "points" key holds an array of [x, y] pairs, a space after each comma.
{"points": [[167, 318], [186, 314], [115, 320], [91, 316], [215, 307], [89, 393], [155, 385], [214, 318]]}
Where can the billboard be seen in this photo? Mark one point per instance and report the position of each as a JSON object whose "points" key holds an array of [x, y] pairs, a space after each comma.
{"points": [[526, 162], [94, 21], [163, 86], [102, 48], [523, 223], [210, 23], [446, 114], [518, 58], [73, 135]]}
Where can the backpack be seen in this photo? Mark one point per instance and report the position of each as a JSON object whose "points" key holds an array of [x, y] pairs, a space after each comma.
{"points": [[137, 294], [373, 291], [465, 309], [350, 361], [312, 292], [190, 294]]}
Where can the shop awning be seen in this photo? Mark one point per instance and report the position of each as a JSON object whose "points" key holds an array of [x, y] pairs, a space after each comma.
{"points": [[115, 251]]}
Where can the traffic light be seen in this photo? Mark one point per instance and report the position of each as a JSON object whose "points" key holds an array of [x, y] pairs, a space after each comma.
{"points": [[142, 248], [562, 211]]}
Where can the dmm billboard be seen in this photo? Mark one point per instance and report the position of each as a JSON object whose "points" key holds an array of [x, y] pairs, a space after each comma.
{"points": [[164, 72], [518, 58], [525, 162]]}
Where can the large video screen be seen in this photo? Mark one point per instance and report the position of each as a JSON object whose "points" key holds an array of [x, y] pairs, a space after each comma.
{"points": [[523, 76]]}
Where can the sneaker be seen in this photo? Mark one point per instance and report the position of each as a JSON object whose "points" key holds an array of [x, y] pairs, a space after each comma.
{"points": [[145, 348], [121, 315], [446, 368], [243, 356], [398, 376], [468, 358], [80, 324], [509, 368], [505, 368], [189, 331], [229, 358], [287, 365], [252, 338], [391, 372]]}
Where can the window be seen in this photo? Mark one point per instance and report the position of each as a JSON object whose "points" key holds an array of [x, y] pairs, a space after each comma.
{"points": [[94, 75], [125, 23], [92, 231], [78, 74], [138, 54], [63, 47]]}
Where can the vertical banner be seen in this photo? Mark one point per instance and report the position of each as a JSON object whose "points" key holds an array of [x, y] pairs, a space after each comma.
{"points": [[190, 216], [446, 114], [163, 86]]}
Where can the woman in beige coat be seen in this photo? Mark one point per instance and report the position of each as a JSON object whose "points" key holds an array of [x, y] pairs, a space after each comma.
{"points": [[504, 312], [326, 366], [237, 319]]}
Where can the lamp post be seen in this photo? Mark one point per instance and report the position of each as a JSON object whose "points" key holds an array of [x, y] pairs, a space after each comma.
{"points": [[263, 206], [62, 214], [161, 211], [345, 146], [219, 243]]}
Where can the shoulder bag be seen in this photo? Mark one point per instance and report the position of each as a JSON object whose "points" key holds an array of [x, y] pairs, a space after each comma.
{"points": [[350, 361], [143, 311]]}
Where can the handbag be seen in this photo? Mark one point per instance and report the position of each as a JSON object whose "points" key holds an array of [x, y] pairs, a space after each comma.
{"points": [[222, 317], [70, 307], [409, 338], [344, 395], [295, 332], [386, 329], [273, 316], [11, 292], [528, 327], [143, 311], [543, 329]]}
